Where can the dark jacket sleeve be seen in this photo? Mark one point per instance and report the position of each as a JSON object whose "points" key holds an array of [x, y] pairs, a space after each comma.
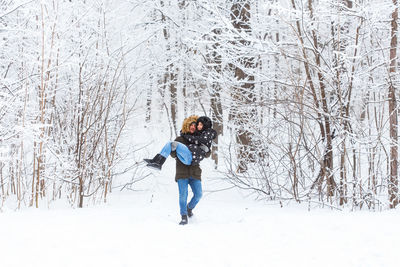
{"points": [[180, 139], [173, 153], [205, 138]]}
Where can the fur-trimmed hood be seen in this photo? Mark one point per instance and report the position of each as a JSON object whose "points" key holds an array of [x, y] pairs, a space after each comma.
{"points": [[187, 122]]}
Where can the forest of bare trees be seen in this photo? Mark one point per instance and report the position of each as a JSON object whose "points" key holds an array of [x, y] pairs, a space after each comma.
{"points": [[303, 94]]}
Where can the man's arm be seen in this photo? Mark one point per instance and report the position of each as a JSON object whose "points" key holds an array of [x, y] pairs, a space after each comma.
{"points": [[180, 140], [173, 154]]}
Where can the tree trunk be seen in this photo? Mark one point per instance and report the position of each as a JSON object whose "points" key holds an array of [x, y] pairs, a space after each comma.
{"points": [[215, 65], [340, 31], [393, 121], [328, 155], [320, 103], [243, 92], [170, 74], [149, 100], [174, 97]]}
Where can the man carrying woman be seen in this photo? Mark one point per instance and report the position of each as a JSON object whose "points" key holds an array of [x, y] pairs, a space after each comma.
{"points": [[188, 149]]}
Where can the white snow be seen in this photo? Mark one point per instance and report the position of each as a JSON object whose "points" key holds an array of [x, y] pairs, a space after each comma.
{"points": [[140, 228]]}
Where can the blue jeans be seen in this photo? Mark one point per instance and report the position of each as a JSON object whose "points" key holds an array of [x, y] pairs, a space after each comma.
{"points": [[195, 184], [183, 153]]}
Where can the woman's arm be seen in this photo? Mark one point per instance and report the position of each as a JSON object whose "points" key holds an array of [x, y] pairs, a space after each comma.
{"points": [[203, 139]]}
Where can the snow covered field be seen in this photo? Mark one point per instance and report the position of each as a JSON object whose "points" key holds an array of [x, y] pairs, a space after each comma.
{"points": [[140, 228]]}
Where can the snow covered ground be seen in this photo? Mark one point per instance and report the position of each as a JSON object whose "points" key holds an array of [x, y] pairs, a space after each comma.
{"points": [[140, 228]]}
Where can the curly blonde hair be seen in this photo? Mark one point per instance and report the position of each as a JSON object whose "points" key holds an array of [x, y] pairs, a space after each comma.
{"points": [[187, 122]]}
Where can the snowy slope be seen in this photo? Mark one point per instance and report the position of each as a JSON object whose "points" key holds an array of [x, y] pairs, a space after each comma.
{"points": [[140, 228]]}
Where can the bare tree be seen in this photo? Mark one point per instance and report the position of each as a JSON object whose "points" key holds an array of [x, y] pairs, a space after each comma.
{"points": [[214, 61], [243, 90], [393, 120]]}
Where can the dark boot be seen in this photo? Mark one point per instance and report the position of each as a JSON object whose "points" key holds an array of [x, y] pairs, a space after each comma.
{"points": [[150, 160], [189, 211], [184, 220], [157, 162]]}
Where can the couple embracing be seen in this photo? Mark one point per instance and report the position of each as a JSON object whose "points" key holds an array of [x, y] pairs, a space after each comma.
{"points": [[193, 145]]}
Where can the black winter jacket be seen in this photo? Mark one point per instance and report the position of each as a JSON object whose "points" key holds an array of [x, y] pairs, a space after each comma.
{"points": [[200, 144]]}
